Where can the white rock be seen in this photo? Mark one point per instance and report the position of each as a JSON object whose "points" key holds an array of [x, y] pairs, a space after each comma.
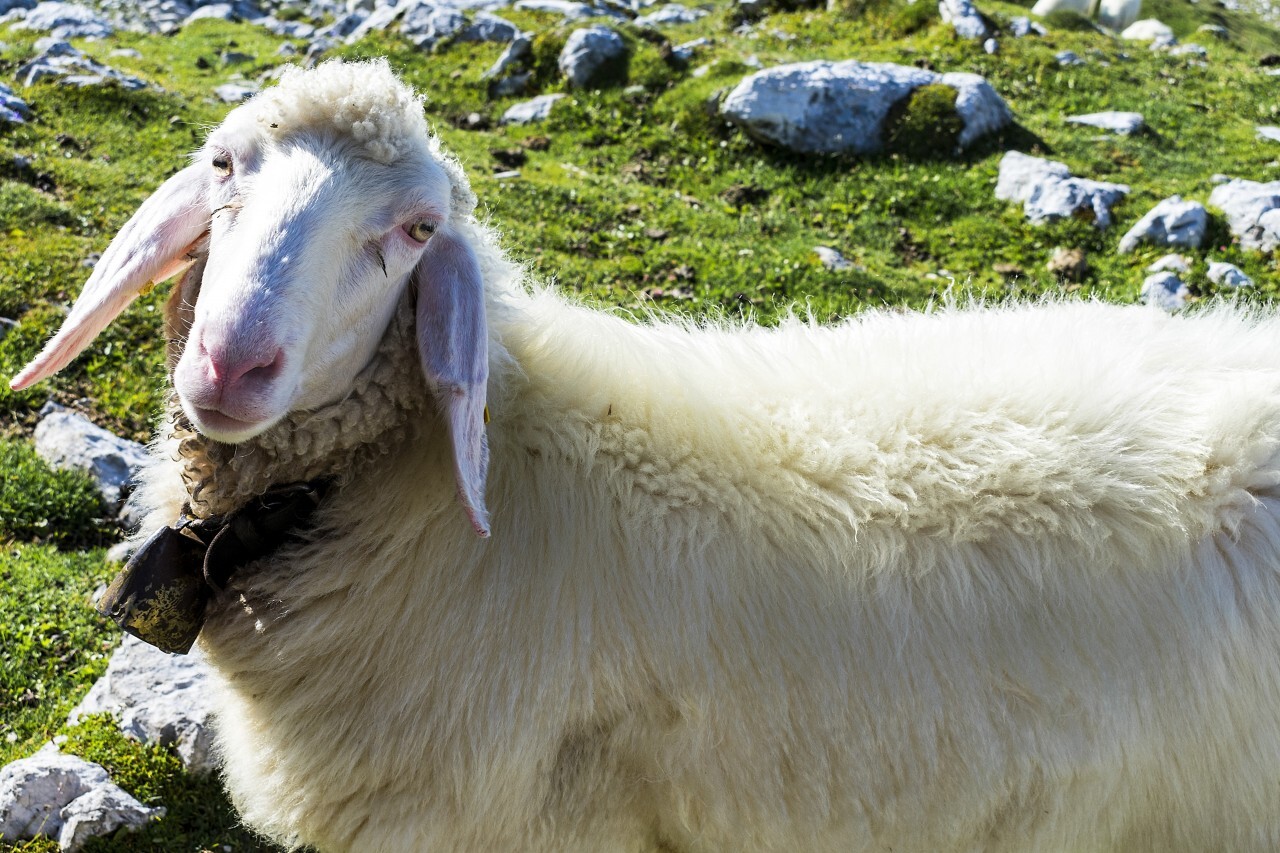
{"points": [[1269, 132], [33, 791], [1172, 222], [66, 21], [588, 53], [1171, 263], [669, 15], [839, 107], [234, 93], [1048, 191], [1189, 49], [59, 61], [1125, 124], [1022, 27], [963, 18], [1253, 212], [1216, 30], [991, 46], [68, 440], [157, 698], [1228, 275], [12, 108], [832, 260], [520, 49], [1147, 30], [1165, 290], [425, 24], [533, 110], [567, 9], [101, 811], [1067, 58], [486, 26]]}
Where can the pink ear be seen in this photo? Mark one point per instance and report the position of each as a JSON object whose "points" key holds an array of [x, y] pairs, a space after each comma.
{"points": [[151, 247], [453, 343]]}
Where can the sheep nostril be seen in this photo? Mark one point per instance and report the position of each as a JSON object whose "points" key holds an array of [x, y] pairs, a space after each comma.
{"points": [[259, 370]]}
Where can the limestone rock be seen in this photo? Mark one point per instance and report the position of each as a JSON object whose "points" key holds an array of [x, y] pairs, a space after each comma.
{"points": [[1171, 263], [234, 93], [832, 260], [825, 107], [1228, 275], [58, 60], [590, 54], [157, 698], [536, 109], [64, 797], [669, 15], [1166, 291], [1125, 124], [1048, 191], [963, 18], [1172, 222], [1253, 212], [68, 440], [66, 21]]}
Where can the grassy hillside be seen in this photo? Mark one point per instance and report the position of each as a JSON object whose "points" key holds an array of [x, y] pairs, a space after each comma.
{"points": [[630, 196]]}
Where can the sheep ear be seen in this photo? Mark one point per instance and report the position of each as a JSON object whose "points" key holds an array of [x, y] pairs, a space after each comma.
{"points": [[453, 342], [151, 247]]}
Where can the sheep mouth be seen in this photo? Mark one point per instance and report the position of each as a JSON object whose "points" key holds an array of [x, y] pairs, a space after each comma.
{"points": [[220, 426]]}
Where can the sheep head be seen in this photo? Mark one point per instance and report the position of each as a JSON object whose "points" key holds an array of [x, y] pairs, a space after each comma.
{"points": [[318, 202]]}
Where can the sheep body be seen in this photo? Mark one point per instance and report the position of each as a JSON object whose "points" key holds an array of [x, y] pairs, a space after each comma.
{"points": [[998, 579], [986, 579]]}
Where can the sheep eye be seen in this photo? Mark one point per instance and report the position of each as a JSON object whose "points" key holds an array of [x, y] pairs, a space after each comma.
{"points": [[420, 231], [222, 164]]}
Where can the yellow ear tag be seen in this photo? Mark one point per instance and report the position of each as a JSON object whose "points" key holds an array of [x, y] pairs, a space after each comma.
{"points": [[147, 288], [486, 414]]}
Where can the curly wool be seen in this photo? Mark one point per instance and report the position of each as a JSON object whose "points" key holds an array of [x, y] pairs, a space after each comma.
{"points": [[332, 441]]}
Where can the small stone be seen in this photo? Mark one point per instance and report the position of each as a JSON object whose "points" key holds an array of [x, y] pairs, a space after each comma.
{"points": [[157, 698], [68, 440], [1189, 49], [963, 18], [1269, 132], [832, 259], [102, 811], [1166, 291], [126, 52], [1171, 263], [66, 21], [1021, 27], [1125, 124], [991, 46], [537, 109], [234, 93], [1216, 30], [1048, 191], [670, 15], [1071, 264], [1228, 275], [1252, 210], [590, 55], [1067, 58], [1172, 222]]}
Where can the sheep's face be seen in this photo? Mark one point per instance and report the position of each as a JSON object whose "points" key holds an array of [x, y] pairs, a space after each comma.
{"points": [[316, 204], [309, 250]]}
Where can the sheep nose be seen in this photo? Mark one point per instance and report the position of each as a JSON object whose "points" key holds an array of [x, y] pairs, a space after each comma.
{"points": [[232, 369]]}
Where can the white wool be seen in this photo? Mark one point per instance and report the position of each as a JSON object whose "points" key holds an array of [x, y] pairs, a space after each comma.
{"points": [[984, 579]]}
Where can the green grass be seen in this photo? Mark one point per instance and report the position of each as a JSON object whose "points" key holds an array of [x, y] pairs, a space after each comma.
{"points": [[631, 197]]}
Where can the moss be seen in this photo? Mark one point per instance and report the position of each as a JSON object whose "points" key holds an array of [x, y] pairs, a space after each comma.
{"points": [[39, 504], [546, 49], [1068, 21], [924, 125]]}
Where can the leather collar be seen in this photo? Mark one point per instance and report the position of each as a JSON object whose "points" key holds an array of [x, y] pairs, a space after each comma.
{"points": [[161, 594]]}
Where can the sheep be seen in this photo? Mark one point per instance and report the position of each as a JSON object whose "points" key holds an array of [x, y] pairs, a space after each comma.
{"points": [[997, 578]]}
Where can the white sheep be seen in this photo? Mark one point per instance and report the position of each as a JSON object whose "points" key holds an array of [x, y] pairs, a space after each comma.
{"points": [[997, 579]]}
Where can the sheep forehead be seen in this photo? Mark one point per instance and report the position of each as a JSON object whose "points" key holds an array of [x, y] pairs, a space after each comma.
{"points": [[363, 102]]}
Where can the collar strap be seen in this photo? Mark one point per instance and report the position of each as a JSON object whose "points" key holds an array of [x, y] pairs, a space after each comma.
{"points": [[161, 594]]}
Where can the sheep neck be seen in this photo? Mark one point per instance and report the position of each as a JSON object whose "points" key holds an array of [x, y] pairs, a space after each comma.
{"points": [[330, 442]]}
